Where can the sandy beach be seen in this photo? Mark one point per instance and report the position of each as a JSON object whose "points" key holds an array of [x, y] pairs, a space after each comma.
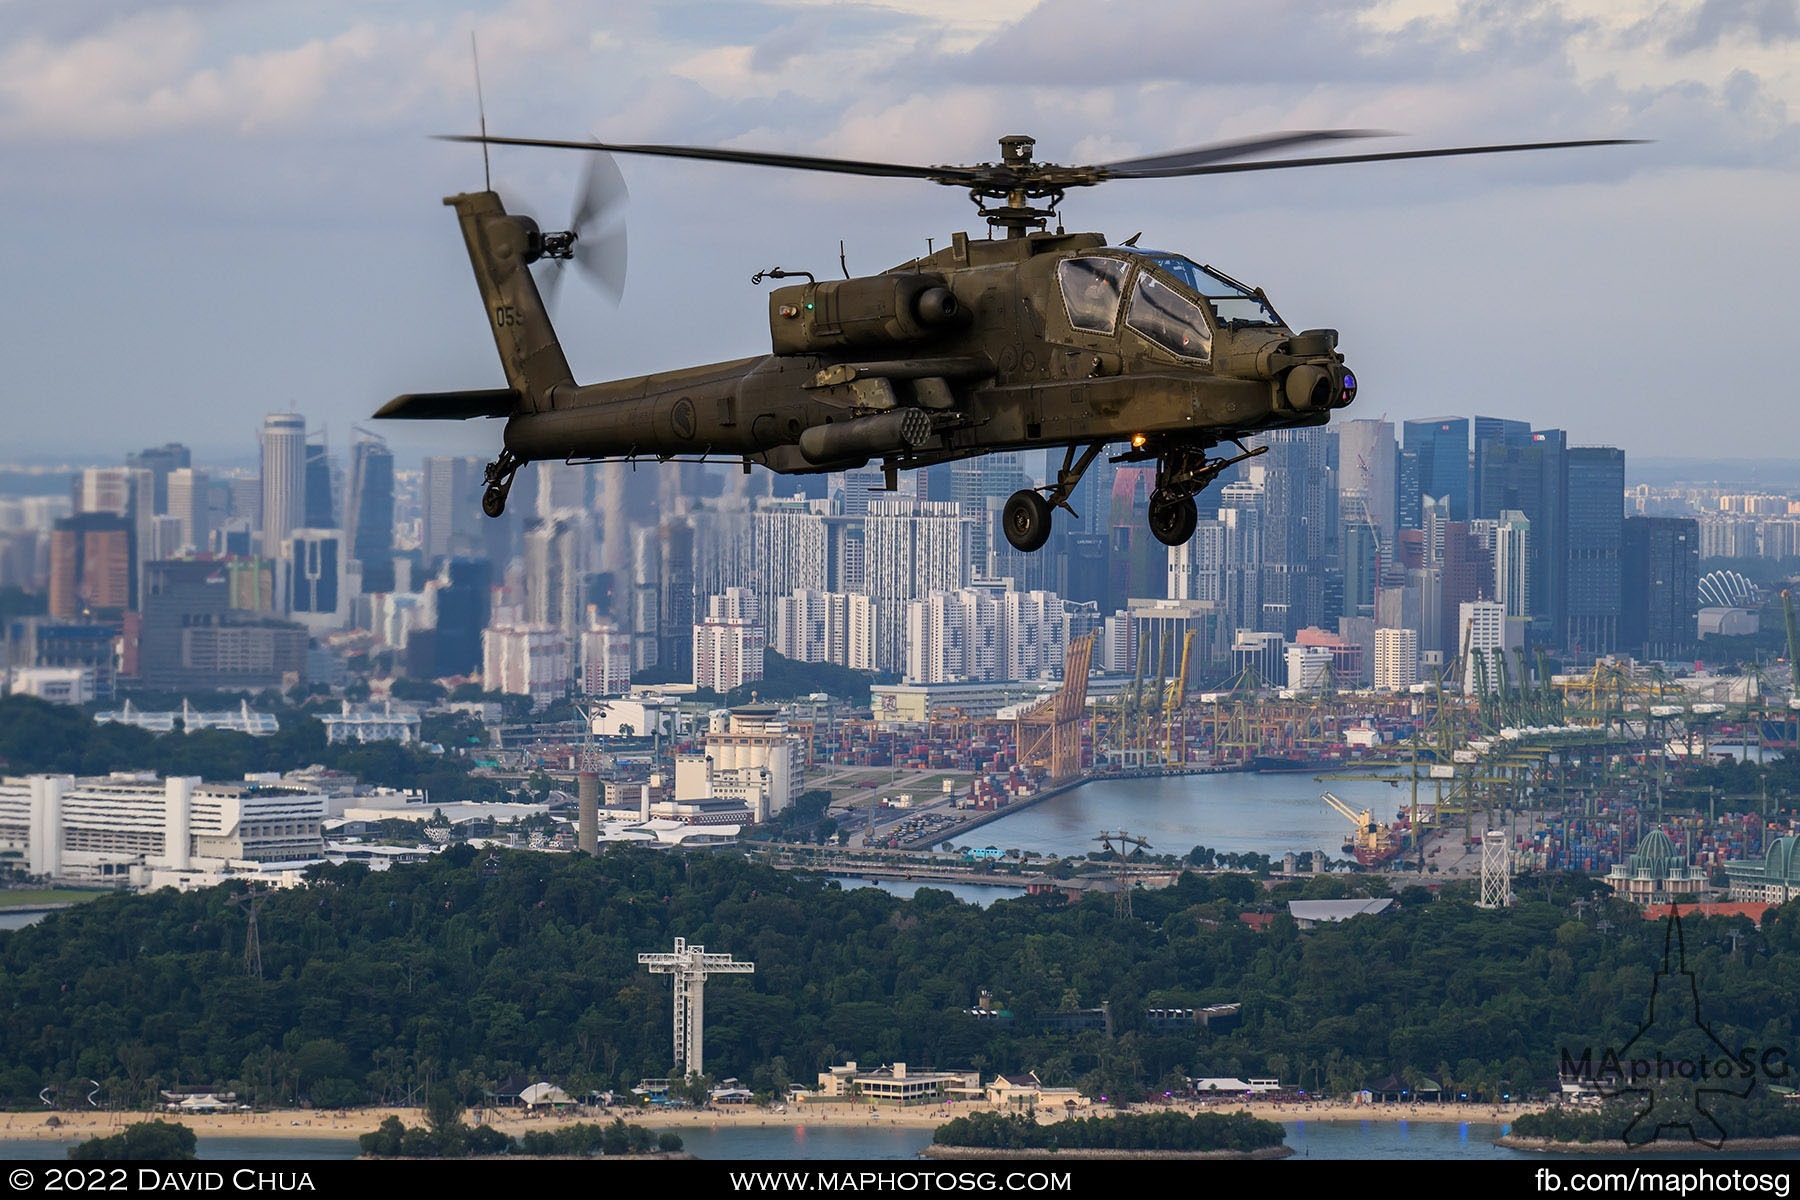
{"points": [[306, 1123]]}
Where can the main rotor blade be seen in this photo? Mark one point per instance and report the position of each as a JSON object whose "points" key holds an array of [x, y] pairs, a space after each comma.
{"points": [[1176, 162], [1334, 159], [757, 158]]}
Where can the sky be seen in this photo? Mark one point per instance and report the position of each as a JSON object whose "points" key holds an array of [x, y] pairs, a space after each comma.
{"points": [[217, 209]]}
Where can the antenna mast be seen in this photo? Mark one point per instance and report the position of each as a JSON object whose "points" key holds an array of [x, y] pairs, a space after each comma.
{"points": [[487, 179]]}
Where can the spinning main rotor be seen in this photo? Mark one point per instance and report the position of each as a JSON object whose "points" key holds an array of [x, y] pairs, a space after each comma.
{"points": [[1003, 191]]}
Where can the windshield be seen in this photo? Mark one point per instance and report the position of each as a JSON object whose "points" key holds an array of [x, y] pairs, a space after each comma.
{"points": [[1168, 318], [1091, 288], [1235, 303]]}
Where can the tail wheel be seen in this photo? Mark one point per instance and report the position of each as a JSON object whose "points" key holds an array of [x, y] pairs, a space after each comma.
{"points": [[1026, 520], [1173, 522], [493, 501]]}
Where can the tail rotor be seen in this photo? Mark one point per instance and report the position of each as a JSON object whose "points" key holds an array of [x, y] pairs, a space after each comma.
{"points": [[595, 240]]}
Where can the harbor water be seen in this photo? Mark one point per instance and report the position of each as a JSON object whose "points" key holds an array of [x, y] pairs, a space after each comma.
{"points": [[979, 894], [1236, 813]]}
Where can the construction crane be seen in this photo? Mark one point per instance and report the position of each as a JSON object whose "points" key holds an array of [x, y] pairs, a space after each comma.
{"points": [[1374, 842]]}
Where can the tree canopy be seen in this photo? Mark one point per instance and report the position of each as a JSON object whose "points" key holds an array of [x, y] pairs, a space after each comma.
{"points": [[376, 984]]}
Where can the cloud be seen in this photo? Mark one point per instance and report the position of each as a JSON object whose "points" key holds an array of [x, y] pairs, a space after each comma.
{"points": [[1764, 22]]}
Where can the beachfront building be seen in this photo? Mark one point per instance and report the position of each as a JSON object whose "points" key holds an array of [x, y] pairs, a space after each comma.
{"points": [[897, 1085], [1028, 1092]]}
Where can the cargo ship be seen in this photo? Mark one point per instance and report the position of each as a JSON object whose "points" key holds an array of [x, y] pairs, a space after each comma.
{"points": [[1373, 843]]}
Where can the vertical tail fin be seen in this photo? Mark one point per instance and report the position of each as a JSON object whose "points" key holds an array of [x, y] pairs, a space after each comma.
{"points": [[501, 248]]}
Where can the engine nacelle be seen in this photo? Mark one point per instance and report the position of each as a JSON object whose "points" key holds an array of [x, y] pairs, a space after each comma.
{"points": [[876, 310]]}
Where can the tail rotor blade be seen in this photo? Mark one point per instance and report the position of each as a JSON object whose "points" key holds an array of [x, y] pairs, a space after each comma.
{"points": [[599, 222], [603, 194], [552, 283], [602, 257]]}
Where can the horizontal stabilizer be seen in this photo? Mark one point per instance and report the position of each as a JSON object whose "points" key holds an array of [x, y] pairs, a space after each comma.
{"points": [[450, 406]]}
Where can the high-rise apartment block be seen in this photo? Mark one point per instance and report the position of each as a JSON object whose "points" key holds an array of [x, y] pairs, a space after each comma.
{"points": [[1396, 659], [729, 643]]}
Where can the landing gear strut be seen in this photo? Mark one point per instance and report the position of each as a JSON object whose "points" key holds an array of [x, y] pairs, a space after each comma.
{"points": [[1181, 474], [499, 480], [1026, 518]]}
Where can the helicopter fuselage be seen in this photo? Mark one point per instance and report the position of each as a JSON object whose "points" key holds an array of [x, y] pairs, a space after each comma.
{"points": [[1045, 340]]}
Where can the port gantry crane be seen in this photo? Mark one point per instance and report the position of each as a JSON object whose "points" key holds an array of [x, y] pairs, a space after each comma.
{"points": [[1048, 734]]}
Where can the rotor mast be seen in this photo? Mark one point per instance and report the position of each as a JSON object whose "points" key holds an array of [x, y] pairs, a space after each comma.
{"points": [[1016, 215]]}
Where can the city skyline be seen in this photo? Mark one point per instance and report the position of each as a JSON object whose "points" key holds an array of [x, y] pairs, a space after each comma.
{"points": [[1309, 551]]}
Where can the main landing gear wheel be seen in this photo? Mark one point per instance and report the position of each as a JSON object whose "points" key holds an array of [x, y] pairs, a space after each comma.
{"points": [[1026, 520], [1173, 521], [499, 479]]}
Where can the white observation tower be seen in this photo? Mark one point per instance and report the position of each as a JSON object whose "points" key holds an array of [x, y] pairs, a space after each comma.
{"points": [[690, 965]]}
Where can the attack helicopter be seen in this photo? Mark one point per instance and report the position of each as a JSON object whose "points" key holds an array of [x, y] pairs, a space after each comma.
{"points": [[1034, 338]]}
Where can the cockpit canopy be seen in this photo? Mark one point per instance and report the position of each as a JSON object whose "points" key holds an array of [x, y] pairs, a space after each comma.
{"points": [[1235, 304], [1174, 301]]}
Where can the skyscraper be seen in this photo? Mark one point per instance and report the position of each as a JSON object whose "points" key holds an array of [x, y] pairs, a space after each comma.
{"points": [[92, 565], [1661, 586], [452, 509], [462, 613], [1493, 482], [318, 595], [675, 597], [160, 461], [1526, 473], [791, 548], [321, 502], [1240, 512], [912, 548], [1295, 539], [124, 492], [1369, 466], [1440, 450], [1360, 553], [558, 559], [1396, 659], [369, 512], [1487, 638], [1138, 563], [1512, 563], [975, 484], [283, 480], [645, 619], [190, 502], [1596, 489]]}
